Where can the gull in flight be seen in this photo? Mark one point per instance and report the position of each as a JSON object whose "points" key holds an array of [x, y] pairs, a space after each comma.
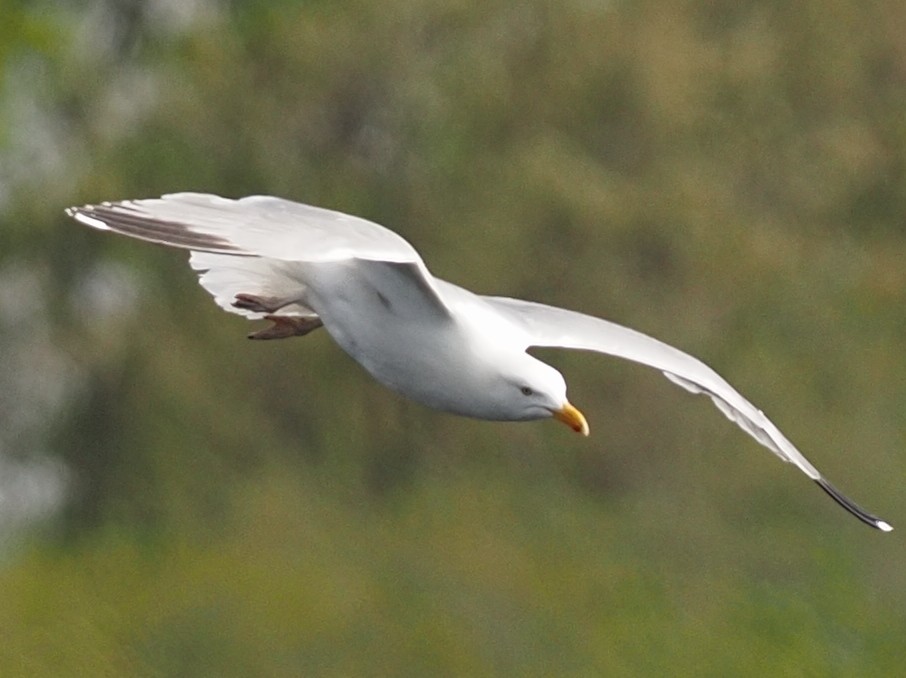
{"points": [[303, 267]]}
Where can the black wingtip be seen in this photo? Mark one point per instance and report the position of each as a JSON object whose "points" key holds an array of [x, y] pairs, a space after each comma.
{"points": [[850, 506]]}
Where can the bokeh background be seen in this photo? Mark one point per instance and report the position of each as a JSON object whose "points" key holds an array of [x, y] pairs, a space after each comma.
{"points": [[727, 176]]}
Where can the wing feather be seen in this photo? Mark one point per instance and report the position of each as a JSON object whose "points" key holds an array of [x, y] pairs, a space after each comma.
{"points": [[256, 225], [255, 244], [556, 327]]}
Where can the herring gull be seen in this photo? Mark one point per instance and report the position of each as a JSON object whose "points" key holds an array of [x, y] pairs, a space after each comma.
{"points": [[302, 267]]}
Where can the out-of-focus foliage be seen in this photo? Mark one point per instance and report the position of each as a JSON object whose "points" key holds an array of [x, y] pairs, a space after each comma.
{"points": [[726, 176]]}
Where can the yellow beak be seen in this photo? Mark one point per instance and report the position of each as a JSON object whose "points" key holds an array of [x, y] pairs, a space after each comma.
{"points": [[570, 416]]}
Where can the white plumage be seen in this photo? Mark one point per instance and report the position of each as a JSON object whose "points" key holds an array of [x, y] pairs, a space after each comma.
{"points": [[302, 266]]}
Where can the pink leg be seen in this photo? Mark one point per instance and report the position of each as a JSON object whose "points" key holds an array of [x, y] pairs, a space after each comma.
{"points": [[287, 326], [283, 325]]}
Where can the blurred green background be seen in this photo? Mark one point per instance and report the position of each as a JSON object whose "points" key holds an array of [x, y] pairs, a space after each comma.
{"points": [[727, 176]]}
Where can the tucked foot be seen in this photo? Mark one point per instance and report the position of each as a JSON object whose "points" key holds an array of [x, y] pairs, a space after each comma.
{"points": [[250, 302], [286, 326]]}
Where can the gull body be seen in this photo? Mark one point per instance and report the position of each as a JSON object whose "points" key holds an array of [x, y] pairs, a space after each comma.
{"points": [[411, 345], [303, 267]]}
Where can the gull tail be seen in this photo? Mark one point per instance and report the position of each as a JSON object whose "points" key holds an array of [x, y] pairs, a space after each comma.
{"points": [[852, 507]]}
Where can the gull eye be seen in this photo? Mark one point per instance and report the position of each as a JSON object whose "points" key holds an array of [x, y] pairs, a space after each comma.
{"points": [[526, 391]]}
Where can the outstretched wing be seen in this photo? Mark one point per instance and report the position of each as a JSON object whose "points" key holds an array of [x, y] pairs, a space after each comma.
{"points": [[557, 327], [253, 245], [258, 225]]}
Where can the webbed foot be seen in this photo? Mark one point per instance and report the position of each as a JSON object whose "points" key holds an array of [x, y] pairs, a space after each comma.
{"points": [[250, 302], [287, 326]]}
